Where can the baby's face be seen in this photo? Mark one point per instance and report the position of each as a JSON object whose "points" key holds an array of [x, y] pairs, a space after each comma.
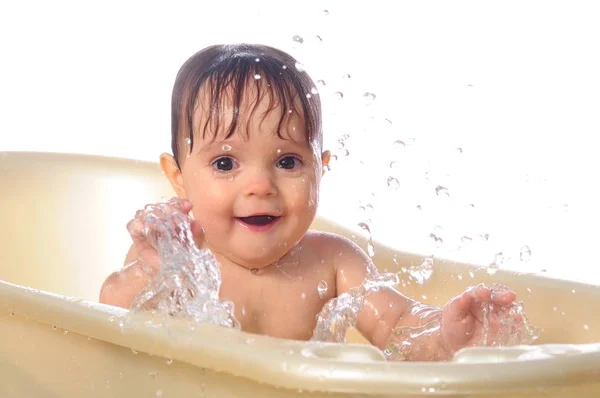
{"points": [[255, 194]]}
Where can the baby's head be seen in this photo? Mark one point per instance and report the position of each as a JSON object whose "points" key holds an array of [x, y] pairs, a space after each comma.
{"points": [[247, 150]]}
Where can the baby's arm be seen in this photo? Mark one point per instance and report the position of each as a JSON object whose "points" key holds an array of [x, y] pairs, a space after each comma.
{"points": [[387, 314], [384, 310], [121, 287]]}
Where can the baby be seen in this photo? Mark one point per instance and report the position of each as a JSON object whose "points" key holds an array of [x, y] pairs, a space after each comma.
{"points": [[247, 162]]}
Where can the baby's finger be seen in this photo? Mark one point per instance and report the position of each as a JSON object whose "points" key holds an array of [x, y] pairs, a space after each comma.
{"points": [[503, 298], [197, 230], [458, 308], [180, 204], [481, 293]]}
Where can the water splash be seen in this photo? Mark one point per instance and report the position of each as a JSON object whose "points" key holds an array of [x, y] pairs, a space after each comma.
{"points": [[340, 313], [188, 281], [422, 272], [525, 254], [509, 326], [498, 262], [393, 183], [297, 39], [370, 243]]}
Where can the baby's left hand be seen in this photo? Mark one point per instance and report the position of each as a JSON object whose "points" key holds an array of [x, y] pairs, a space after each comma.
{"points": [[463, 316]]}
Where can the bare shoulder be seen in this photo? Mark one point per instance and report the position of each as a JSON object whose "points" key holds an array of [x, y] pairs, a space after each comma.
{"points": [[339, 250]]}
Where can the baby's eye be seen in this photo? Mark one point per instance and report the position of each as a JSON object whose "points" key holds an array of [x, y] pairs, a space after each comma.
{"points": [[289, 162], [224, 164]]}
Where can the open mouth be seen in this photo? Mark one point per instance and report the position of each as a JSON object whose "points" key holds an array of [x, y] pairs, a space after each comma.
{"points": [[259, 220]]}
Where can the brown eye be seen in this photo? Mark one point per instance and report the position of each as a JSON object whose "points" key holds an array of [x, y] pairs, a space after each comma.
{"points": [[289, 162], [224, 164]]}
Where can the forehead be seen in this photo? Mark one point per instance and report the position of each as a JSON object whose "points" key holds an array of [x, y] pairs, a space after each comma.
{"points": [[255, 110]]}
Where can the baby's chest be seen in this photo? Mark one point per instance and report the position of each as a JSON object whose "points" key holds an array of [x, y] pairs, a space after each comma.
{"points": [[284, 309]]}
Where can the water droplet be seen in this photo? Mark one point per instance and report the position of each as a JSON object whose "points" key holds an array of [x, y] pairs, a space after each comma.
{"points": [[492, 269], [419, 207], [257, 59], [499, 258], [393, 165], [339, 95], [370, 248], [188, 141], [586, 327], [369, 97], [250, 341], [347, 76], [318, 39], [398, 144], [525, 254], [365, 226], [485, 237], [226, 148], [459, 150], [498, 262], [466, 239], [298, 39], [441, 191], [257, 77], [230, 178], [134, 352], [436, 239], [308, 96], [393, 183], [300, 66], [314, 90], [284, 66], [325, 12], [66, 331], [153, 374], [254, 271], [322, 289], [159, 394], [169, 361], [321, 83], [12, 314], [303, 296]]}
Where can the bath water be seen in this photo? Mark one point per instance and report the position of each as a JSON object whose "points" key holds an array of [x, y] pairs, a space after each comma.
{"points": [[188, 281]]}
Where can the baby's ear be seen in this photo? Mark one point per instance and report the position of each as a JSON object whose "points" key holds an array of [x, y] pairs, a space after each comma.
{"points": [[325, 156], [173, 173]]}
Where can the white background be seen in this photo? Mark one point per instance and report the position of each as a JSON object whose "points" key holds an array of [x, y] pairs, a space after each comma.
{"points": [[513, 84]]}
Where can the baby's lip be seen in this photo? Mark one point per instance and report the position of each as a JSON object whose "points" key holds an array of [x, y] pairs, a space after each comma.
{"points": [[258, 219]]}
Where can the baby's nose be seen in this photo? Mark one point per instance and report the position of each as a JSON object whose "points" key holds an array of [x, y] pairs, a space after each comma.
{"points": [[261, 183]]}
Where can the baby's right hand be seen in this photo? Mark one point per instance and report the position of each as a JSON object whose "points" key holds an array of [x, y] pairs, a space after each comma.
{"points": [[143, 260], [145, 235]]}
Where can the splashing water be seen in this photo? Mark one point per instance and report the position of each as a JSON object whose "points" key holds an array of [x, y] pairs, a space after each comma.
{"points": [[340, 313], [422, 272], [188, 282], [370, 243], [507, 327], [525, 254]]}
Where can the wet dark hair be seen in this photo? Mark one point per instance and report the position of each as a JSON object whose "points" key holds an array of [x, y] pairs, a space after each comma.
{"points": [[225, 72]]}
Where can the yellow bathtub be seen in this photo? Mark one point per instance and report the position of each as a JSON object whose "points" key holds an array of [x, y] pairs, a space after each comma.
{"points": [[63, 231]]}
